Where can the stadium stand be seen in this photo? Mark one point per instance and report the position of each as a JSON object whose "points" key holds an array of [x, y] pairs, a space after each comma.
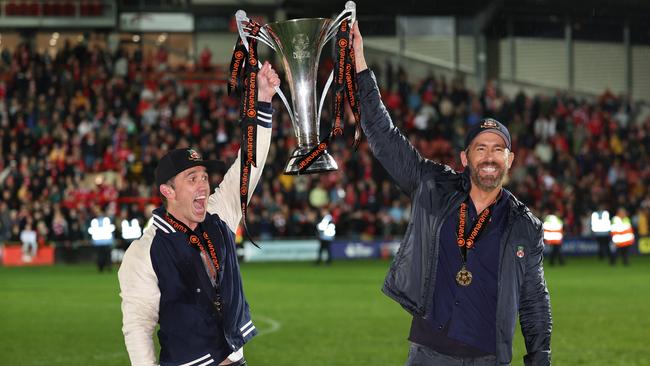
{"points": [[84, 130]]}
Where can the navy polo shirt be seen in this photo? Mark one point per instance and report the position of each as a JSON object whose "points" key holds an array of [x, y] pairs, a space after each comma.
{"points": [[463, 321]]}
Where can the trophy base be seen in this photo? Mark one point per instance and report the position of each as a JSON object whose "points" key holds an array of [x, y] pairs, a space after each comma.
{"points": [[324, 163]]}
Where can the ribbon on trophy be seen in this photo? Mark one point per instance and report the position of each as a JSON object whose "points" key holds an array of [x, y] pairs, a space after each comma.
{"points": [[243, 79], [352, 93], [236, 66], [345, 86]]}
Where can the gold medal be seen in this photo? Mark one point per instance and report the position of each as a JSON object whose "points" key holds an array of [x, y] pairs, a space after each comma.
{"points": [[464, 277]]}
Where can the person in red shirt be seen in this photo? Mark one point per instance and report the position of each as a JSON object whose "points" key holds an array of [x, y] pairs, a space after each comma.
{"points": [[206, 59]]}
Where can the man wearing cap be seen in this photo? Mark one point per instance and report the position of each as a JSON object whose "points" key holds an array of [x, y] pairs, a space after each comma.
{"points": [[182, 274], [471, 259]]}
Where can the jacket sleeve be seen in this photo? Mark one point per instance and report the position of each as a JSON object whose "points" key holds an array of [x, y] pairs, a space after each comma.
{"points": [[390, 147], [225, 201], [535, 308], [140, 300]]}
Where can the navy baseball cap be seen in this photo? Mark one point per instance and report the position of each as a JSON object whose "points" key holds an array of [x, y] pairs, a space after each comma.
{"points": [[179, 160], [488, 125]]}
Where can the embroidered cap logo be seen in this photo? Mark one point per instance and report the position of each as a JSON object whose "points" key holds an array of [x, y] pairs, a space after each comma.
{"points": [[489, 123], [193, 155]]}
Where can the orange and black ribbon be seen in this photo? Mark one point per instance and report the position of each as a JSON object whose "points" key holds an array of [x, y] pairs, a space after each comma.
{"points": [[344, 86], [468, 242], [200, 242], [246, 61], [352, 93], [236, 67], [238, 61]]}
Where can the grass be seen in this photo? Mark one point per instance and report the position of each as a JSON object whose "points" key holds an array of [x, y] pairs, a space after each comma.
{"points": [[70, 315]]}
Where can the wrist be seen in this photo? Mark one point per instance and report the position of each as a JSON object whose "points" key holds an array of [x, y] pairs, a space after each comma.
{"points": [[265, 98], [361, 65]]}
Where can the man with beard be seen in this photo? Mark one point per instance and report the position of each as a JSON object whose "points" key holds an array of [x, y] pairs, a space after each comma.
{"points": [[471, 258]]}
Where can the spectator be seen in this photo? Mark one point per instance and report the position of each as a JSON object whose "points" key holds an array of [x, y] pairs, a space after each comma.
{"points": [[30, 245], [5, 222], [66, 119], [326, 230], [206, 59], [318, 196]]}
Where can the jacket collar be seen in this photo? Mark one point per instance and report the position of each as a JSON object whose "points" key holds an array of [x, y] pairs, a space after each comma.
{"points": [[516, 206], [465, 181], [166, 223], [158, 220]]}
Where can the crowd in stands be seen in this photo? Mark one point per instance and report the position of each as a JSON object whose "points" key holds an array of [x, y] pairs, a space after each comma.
{"points": [[81, 133]]}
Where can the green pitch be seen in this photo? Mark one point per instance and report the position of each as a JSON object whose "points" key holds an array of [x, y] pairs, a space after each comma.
{"points": [[307, 315]]}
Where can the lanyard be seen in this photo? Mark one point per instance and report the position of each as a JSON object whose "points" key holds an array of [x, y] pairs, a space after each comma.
{"points": [[468, 242], [464, 277], [200, 242]]}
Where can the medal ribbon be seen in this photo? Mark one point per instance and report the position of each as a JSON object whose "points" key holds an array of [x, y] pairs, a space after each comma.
{"points": [[198, 242], [465, 243]]}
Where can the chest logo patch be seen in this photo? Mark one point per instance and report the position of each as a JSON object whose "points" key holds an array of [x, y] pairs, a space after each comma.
{"points": [[520, 251]]}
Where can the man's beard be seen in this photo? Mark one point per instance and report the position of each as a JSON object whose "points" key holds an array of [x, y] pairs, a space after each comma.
{"points": [[488, 183]]}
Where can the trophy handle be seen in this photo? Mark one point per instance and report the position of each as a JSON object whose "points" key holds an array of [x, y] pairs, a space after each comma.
{"points": [[240, 18], [324, 93], [263, 36], [350, 13]]}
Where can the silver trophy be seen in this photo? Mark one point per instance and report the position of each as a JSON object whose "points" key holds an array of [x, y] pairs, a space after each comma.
{"points": [[299, 42]]}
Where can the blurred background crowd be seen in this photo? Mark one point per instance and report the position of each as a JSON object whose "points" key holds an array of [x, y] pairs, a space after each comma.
{"points": [[81, 134]]}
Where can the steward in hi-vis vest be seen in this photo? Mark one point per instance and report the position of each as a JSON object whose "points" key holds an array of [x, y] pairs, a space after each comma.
{"points": [[600, 226], [622, 235], [553, 234]]}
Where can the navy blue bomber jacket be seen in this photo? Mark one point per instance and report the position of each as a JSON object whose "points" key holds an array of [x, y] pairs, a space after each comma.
{"points": [[163, 280]]}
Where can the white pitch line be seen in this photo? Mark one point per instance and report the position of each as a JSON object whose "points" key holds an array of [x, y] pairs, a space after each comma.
{"points": [[275, 325]]}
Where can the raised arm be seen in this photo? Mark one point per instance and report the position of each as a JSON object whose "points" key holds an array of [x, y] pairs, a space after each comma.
{"points": [[225, 199], [387, 143]]}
